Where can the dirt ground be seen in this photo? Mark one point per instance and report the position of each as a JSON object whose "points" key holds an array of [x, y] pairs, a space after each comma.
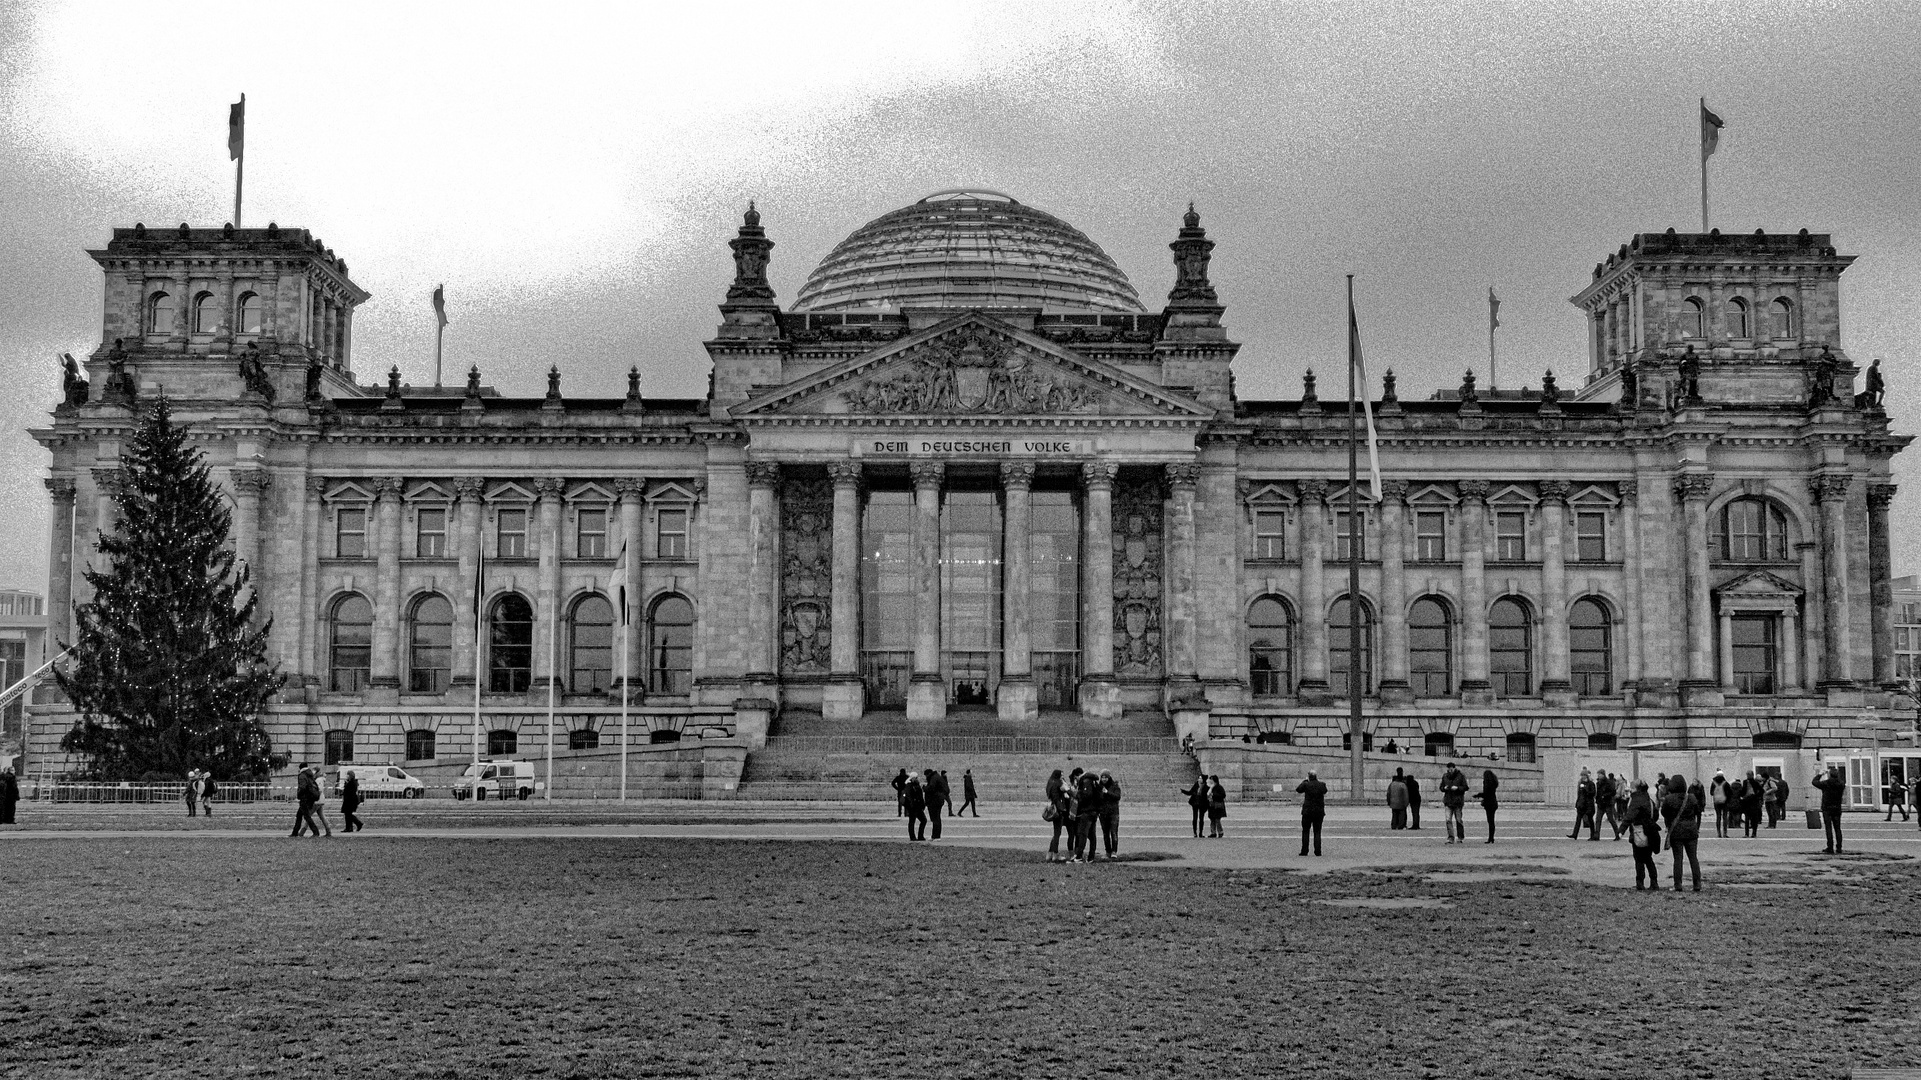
{"points": [[172, 956]]}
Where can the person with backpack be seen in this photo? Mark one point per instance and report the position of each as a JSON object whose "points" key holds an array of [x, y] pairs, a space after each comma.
{"points": [[914, 806], [1718, 791], [1397, 801], [1833, 786], [1644, 834]]}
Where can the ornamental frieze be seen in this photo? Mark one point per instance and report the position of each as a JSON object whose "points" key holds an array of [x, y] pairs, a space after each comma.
{"points": [[970, 372]]}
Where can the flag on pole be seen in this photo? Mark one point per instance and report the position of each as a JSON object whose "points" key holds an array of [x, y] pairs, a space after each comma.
{"points": [[440, 304], [237, 129], [1493, 309], [480, 577], [618, 586], [1367, 404], [1711, 126]]}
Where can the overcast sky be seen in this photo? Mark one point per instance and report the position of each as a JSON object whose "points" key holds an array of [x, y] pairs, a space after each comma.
{"points": [[573, 172]]}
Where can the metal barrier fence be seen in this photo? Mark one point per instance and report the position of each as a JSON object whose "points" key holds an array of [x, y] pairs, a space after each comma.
{"points": [[972, 744], [163, 792]]}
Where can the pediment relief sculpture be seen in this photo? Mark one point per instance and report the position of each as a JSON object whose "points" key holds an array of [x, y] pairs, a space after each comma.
{"points": [[971, 372]]}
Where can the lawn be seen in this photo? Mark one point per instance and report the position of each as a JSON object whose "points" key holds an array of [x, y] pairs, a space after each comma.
{"points": [[174, 956]]}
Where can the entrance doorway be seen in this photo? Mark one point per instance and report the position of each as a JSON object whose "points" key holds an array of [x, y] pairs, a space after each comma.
{"points": [[970, 568]]}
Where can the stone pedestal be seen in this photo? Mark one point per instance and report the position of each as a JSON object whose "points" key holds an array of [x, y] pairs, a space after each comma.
{"points": [[844, 698], [752, 718], [1702, 693], [1190, 724], [927, 698], [1100, 697], [1018, 699]]}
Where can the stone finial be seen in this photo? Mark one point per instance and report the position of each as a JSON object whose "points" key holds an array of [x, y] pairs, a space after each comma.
{"points": [[1550, 390], [1388, 394], [1473, 490], [393, 381], [1017, 474], [751, 253], [1468, 394], [633, 383], [1308, 397], [763, 474], [553, 382], [473, 381], [1192, 250]]}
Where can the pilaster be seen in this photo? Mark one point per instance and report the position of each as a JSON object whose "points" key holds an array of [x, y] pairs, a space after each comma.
{"points": [[1394, 687], [385, 676], [1182, 674], [926, 690], [467, 516], [1018, 698], [1555, 685], [1100, 694], [763, 577], [844, 698], [1313, 616], [1474, 661], [547, 617]]}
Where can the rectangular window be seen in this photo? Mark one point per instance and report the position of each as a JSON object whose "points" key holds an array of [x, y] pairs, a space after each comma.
{"points": [[1347, 530], [430, 534], [1510, 537], [1270, 534], [670, 534], [510, 535], [590, 535], [350, 533], [1754, 653], [1590, 537], [1430, 536], [340, 747], [420, 745]]}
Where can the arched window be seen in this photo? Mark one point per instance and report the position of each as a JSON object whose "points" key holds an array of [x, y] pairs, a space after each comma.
{"points": [[420, 745], [1752, 530], [510, 645], [1738, 326], [585, 738], [1270, 652], [1777, 740], [1430, 649], [339, 747], [1438, 744], [350, 650], [1781, 316], [1601, 740], [430, 645], [590, 635], [1590, 646], [1692, 322], [252, 312], [670, 647], [206, 313], [1520, 747], [1510, 655], [1339, 661], [503, 742], [160, 313]]}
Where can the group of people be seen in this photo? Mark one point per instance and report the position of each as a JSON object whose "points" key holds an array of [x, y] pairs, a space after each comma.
{"points": [[1404, 801], [200, 791], [1076, 805], [1208, 801], [1744, 801], [919, 796]]}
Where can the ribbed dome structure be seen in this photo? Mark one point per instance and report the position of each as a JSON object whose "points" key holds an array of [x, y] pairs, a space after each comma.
{"points": [[967, 248]]}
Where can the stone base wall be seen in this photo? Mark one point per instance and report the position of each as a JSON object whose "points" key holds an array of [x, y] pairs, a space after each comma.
{"points": [[1267, 772]]}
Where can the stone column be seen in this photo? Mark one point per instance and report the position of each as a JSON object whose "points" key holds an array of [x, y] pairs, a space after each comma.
{"points": [[1474, 663], [927, 691], [630, 492], [1880, 571], [60, 566], [1632, 661], [1018, 698], [548, 639], [1831, 492], [763, 576], [466, 540], [386, 540], [1724, 666], [248, 487], [1692, 489], [311, 621], [1394, 688], [845, 695], [1182, 674], [1554, 640], [1100, 694], [1790, 651], [1313, 614]]}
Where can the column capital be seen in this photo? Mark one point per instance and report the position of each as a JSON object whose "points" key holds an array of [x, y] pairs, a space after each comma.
{"points": [[1394, 491], [1880, 496], [469, 488], [317, 485], [62, 488], [844, 474], [250, 481], [698, 486], [1556, 491], [763, 474], [386, 487], [548, 487], [1473, 490], [1829, 487], [110, 480], [1629, 490], [1694, 485], [927, 474], [1182, 474], [1017, 474], [1098, 475], [630, 489], [1313, 490], [1243, 487]]}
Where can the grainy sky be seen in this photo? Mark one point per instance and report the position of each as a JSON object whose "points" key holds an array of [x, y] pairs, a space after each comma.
{"points": [[573, 171]]}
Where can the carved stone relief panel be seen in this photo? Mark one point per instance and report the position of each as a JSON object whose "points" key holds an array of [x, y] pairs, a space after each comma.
{"points": [[1137, 575], [806, 575]]}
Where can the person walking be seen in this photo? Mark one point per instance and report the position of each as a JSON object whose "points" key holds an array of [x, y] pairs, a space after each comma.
{"points": [[1778, 803], [900, 793], [1718, 791], [1453, 799], [306, 799], [9, 795], [192, 794], [1750, 804], [1110, 817], [947, 794], [914, 807], [1216, 807], [967, 793], [1833, 787], [350, 802], [1584, 806], [1644, 834], [1489, 802], [1682, 812], [1397, 801], [933, 795], [207, 791], [1621, 794], [1413, 802], [1197, 802], [1896, 795], [1313, 795], [1057, 805]]}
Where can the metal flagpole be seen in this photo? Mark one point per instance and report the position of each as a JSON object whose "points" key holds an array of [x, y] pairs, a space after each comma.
{"points": [[480, 582], [626, 675], [1355, 540], [553, 650], [237, 149], [440, 332]]}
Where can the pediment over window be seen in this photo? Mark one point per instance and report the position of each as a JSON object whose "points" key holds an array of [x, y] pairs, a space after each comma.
{"points": [[589, 492], [1269, 495], [973, 365], [1513, 495], [672, 491], [1433, 496], [1337, 497], [349, 491], [427, 491], [509, 492], [1594, 495], [1758, 588]]}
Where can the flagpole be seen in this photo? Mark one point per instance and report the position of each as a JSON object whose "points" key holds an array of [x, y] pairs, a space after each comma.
{"points": [[439, 333], [480, 584], [1491, 384], [626, 675], [553, 650], [1355, 541], [1704, 164], [239, 164]]}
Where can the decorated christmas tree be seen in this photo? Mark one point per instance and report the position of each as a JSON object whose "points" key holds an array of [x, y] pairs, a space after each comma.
{"points": [[169, 669]]}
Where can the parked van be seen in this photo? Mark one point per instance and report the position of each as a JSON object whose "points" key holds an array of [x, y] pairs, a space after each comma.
{"points": [[498, 778], [381, 781]]}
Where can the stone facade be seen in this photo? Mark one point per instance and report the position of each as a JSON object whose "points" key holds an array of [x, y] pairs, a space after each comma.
{"points": [[937, 509]]}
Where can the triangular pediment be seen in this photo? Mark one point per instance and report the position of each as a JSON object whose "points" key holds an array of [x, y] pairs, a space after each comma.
{"points": [[971, 365], [1433, 495], [349, 492], [1594, 495], [1758, 583], [1270, 496]]}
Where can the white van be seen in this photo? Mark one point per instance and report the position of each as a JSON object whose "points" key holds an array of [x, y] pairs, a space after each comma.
{"points": [[377, 781], [498, 778]]}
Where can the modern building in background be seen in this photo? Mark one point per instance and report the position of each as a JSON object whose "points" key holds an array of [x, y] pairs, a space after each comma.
{"points": [[23, 648], [966, 477]]}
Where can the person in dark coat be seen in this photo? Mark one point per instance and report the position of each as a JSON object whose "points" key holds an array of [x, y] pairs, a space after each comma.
{"points": [[1110, 816], [1057, 798], [1413, 802], [307, 799], [1642, 815], [1896, 794], [350, 802], [1833, 787], [1453, 798], [1584, 793], [1721, 793], [1397, 801], [1751, 794], [1197, 802], [1313, 795], [900, 793], [967, 793], [1216, 807], [193, 792], [1489, 802], [1682, 811], [914, 805], [934, 793], [1604, 804], [947, 793], [9, 795]]}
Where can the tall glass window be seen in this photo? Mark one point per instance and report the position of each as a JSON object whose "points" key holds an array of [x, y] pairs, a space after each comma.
{"points": [[1270, 648], [971, 594], [1430, 536], [590, 534], [510, 645], [1693, 324], [252, 312], [1753, 531], [1053, 580], [1339, 659], [351, 648], [1590, 646], [430, 645], [430, 533], [1430, 649], [670, 647], [1510, 536], [887, 597], [1737, 318], [1349, 530], [510, 535], [590, 646], [1270, 534], [350, 532], [1754, 652], [1781, 313], [1510, 652], [160, 313], [420, 744], [670, 534], [1590, 536], [206, 314]]}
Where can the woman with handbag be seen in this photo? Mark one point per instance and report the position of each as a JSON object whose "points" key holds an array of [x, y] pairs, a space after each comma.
{"points": [[1056, 813], [1197, 802], [1644, 833], [1682, 811], [1216, 807]]}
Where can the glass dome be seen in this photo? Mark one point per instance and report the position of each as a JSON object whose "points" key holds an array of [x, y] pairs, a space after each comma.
{"points": [[967, 247]]}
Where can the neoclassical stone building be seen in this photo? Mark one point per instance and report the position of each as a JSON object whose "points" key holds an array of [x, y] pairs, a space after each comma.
{"points": [[966, 477]]}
